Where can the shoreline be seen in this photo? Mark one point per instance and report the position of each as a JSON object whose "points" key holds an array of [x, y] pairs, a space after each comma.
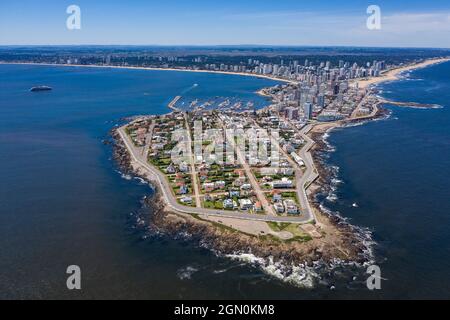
{"points": [[389, 75], [343, 241], [338, 243], [151, 69], [394, 74], [347, 244]]}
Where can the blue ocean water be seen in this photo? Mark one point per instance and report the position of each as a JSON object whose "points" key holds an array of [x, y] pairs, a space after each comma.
{"points": [[398, 172], [62, 202]]}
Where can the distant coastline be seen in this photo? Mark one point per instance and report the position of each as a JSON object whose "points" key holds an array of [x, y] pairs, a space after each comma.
{"points": [[389, 75], [394, 74], [151, 69], [222, 239]]}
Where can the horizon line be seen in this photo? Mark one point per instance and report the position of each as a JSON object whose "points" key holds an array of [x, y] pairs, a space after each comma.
{"points": [[225, 45]]}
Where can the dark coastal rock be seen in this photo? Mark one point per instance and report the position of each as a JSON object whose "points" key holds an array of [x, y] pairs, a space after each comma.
{"points": [[120, 153]]}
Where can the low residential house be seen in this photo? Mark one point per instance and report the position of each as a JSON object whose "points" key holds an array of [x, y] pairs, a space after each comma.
{"points": [[234, 193], [219, 184], [170, 169], [276, 196], [279, 207], [208, 186], [284, 183], [179, 178], [203, 172], [198, 158], [245, 204], [258, 206], [287, 171], [183, 189], [141, 131], [238, 183], [186, 200], [288, 148], [247, 193], [284, 164], [184, 167], [228, 204], [297, 142], [157, 146], [246, 186], [291, 207]]}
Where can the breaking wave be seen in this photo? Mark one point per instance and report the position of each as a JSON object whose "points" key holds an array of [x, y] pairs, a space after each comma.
{"points": [[299, 275], [186, 272], [364, 235]]}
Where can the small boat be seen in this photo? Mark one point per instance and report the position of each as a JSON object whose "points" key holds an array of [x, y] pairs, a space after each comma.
{"points": [[236, 106], [40, 88], [225, 103], [194, 103]]}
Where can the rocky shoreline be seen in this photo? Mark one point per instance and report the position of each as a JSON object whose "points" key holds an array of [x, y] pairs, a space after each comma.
{"points": [[323, 185]]}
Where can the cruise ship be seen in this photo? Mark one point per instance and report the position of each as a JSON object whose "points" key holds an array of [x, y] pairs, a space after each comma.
{"points": [[40, 88]]}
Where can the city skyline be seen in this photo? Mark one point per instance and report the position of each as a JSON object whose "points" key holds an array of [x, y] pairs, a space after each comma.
{"points": [[203, 23]]}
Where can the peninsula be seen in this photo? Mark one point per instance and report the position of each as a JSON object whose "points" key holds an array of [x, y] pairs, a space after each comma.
{"points": [[266, 207]]}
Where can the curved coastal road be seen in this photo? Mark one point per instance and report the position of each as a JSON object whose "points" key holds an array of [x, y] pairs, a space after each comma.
{"points": [[174, 205], [310, 174]]}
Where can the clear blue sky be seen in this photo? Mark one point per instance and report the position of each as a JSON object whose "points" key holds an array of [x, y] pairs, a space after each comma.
{"points": [[212, 22]]}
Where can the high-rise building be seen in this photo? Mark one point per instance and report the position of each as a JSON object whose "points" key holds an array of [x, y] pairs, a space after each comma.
{"points": [[336, 89], [308, 110], [291, 113], [321, 100]]}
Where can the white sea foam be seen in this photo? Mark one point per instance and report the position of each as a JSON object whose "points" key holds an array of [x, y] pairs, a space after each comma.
{"points": [[332, 197], [299, 275], [186, 273], [141, 181], [364, 235], [125, 176]]}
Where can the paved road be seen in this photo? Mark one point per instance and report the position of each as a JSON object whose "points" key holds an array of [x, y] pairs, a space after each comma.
{"points": [[195, 183], [356, 111], [255, 185], [310, 174], [170, 200], [295, 166], [148, 139]]}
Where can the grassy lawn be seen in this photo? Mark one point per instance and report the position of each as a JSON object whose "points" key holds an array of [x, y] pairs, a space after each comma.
{"points": [[291, 196], [298, 234], [213, 205]]}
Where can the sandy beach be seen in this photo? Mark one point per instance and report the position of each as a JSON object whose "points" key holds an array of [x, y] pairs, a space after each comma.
{"points": [[394, 74], [389, 75]]}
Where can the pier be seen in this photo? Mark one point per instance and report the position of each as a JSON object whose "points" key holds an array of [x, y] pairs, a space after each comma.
{"points": [[410, 104], [173, 103]]}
